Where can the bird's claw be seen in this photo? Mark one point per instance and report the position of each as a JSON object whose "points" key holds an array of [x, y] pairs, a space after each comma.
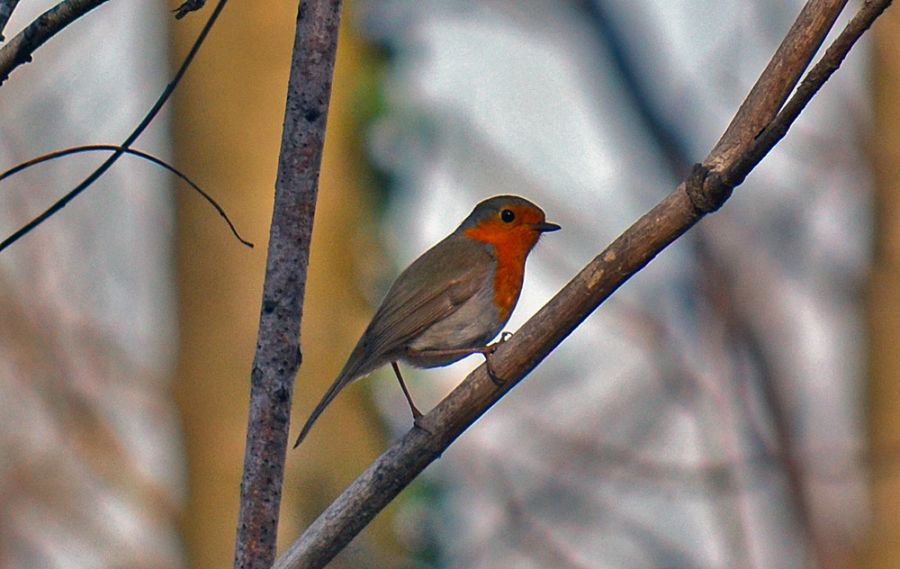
{"points": [[496, 379]]}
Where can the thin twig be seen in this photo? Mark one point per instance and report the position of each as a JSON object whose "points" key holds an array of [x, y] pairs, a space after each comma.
{"points": [[145, 122], [514, 359], [278, 353], [6, 9], [19, 49], [787, 65], [140, 154]]}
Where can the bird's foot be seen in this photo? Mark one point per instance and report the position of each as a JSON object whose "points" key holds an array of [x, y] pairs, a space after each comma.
{"points": [[488, 355]]}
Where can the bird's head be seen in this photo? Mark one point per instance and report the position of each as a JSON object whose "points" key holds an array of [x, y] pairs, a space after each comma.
{"points": [[509, 223]]}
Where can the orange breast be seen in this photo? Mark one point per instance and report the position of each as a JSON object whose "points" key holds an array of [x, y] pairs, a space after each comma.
{"points": [[508, 284], [511, 246]]}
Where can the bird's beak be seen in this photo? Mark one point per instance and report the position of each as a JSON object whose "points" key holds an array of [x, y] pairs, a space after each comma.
{"points": [[545, 226]]}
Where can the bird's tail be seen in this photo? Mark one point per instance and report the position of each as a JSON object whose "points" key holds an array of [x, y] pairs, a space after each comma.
{"points": [[329, 396], [357, 366]]}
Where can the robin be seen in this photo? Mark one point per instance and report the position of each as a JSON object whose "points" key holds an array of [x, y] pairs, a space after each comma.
{"points": [[451, 301]]}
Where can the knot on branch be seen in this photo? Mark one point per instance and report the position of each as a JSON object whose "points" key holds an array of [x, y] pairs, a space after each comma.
{"points": [[707, 189]]}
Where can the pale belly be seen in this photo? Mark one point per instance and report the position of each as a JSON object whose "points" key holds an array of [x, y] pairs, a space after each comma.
{"points": [[473, 325]]}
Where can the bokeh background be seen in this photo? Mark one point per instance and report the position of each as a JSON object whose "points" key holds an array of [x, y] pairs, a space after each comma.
{"points": [[734, 405]]}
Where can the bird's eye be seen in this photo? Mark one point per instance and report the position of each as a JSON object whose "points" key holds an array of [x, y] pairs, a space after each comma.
{"points": [[507, 215]]}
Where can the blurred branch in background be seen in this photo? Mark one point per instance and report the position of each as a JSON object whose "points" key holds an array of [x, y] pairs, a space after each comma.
{"points": [[92, 472], [719, 284], [739, 150], [883, 301]]}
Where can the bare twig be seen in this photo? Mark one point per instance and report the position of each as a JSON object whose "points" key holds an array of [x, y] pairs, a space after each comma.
{"points": [[768, 95], [139, 129], [278, 353], [830, 62], [47, 25], [704, 192], [140, 154], [6, 9], [188, 7]]}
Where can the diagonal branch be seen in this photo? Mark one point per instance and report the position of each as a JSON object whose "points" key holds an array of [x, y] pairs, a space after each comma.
{"points": [[47, 25], [278, 355], [6, 9], [818, 75], [737, 153]]}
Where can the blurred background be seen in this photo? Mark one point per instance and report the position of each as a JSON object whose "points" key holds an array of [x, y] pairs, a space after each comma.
{"points": [[734, 405]]}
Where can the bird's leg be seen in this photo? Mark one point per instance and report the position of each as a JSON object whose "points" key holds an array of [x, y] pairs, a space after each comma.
{"points": [[486, 351], [498, 381], [412, 406]]}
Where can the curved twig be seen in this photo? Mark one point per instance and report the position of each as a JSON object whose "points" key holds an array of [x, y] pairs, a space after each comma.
{"points": [[145, 122], [140, 154], [703, 192]]}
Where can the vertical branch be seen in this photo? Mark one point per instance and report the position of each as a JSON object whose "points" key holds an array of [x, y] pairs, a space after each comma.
{"points": [[278, 349]]}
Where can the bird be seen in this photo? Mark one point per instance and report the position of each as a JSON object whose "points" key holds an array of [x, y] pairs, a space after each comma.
{"points": [[451, 301]]}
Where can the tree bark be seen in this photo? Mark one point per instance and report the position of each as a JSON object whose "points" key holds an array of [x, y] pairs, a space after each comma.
{"points": [[278, 353]]}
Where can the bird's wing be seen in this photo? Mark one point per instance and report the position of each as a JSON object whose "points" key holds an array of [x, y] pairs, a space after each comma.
{"points": [[429, 290]]}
